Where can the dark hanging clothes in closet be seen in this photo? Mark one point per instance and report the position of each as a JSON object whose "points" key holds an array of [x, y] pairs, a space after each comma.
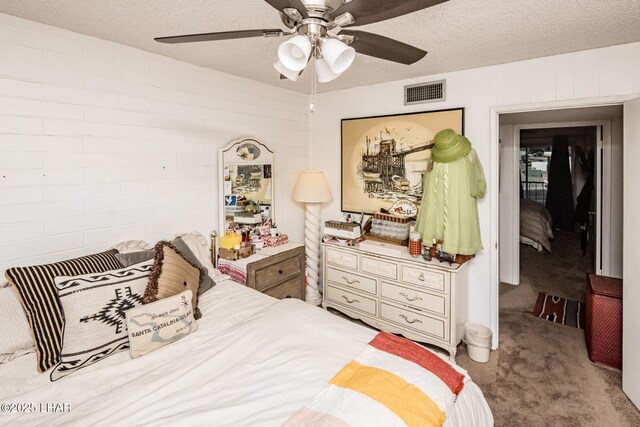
{"points": [[585, 202], [559, 192], [585, 198]]}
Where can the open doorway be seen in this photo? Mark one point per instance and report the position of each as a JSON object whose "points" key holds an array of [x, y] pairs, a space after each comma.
{"points": [[520, 333], [587, 144], [530, 143], [558, 209]]}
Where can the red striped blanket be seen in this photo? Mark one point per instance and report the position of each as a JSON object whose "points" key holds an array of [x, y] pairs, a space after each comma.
{"points": [[392, 382]]}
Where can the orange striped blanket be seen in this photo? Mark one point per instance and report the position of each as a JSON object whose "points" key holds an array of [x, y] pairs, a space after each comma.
{"points": [[392, 382]]}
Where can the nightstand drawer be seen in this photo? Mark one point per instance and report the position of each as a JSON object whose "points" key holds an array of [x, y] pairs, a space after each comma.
{"points": [[421, 300], [351, 300], [421, 277], [351, 280], [289, 289], [342, 259], [409, 319], [270, 275], [379, 267]]}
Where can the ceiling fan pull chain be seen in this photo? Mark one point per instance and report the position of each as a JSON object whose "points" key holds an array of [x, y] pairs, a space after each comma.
{"points": [[312, 106]]}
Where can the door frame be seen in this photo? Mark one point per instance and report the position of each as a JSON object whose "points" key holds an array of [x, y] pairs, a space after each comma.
{"points": [[631, 292], [606, 141], [494, 182]]}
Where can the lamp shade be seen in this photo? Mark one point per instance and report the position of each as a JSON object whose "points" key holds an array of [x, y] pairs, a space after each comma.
{"points": [[290, 74], [294, 53], [338, 55], [312, 187], [324, 71]]}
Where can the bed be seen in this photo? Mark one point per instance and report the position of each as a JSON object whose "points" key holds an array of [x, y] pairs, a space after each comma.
{"points": [[535, 225], [254, 361]]}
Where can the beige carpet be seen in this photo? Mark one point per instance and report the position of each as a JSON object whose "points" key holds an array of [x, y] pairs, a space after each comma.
{"points": [[541, 375]]}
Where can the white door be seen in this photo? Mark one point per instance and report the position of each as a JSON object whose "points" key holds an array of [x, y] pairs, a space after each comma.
{"points": [[630, 264]]}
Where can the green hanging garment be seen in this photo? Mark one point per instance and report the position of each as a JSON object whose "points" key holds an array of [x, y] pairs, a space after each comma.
{"points": [[448, 211]]}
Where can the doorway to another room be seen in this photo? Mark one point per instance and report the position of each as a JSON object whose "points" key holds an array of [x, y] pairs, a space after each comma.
{"points": [[558, 210], [549, 359], [561, 188]]}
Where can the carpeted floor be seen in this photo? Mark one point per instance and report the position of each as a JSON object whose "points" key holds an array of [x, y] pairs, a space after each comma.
{"points": [[541, 375]]}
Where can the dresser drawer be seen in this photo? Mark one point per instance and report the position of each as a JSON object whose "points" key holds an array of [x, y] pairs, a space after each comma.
{"points": [[421, 277], [351, 300], [421, 300], [288, 289], [270, 275], [342, 258], [379, 267], [409, 319], [351, 280]]}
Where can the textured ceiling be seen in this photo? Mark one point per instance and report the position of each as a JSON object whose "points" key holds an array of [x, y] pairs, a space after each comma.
{"points": [[459, 34]]}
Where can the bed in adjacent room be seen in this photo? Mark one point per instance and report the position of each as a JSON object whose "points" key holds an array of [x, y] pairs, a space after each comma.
{"points": [[535, 225], [253, 361]]}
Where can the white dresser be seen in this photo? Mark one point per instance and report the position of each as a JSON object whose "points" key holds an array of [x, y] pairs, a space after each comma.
{"points": [[424, 301]]}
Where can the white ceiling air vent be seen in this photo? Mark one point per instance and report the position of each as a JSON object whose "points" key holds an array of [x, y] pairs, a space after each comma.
{"points": [[425, 92]]}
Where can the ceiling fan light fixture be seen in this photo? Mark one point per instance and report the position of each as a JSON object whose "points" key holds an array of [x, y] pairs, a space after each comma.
{"points": [[294, 53], [290, 74], [338, 55], [324, 72]]}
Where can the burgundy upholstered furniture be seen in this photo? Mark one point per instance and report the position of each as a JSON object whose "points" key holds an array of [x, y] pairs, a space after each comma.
{"points": [[604, 320]]}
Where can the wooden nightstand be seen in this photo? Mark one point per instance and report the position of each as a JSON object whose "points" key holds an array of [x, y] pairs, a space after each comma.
{"points": [[278, 272]]}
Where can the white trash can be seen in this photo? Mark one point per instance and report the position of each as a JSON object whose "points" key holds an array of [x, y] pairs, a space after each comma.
{"points": [[478, 340]]}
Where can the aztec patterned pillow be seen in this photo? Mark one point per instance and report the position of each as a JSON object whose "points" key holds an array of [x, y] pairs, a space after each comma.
{"points": [[173, 274], [39, 299], [94, 310], [152, 326]]}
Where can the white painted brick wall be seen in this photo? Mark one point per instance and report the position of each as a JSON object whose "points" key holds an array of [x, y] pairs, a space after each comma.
{"points": [[101, 142]]}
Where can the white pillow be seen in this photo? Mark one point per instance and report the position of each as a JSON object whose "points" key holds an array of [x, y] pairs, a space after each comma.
{"points": [[152, 326], [15, 334], [131, 246]]}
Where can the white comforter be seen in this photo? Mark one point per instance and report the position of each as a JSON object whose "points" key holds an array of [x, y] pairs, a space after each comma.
{"points": [[254, 361]]}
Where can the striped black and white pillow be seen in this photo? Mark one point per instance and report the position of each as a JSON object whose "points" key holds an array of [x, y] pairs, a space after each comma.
{"points": [[37, 291]]}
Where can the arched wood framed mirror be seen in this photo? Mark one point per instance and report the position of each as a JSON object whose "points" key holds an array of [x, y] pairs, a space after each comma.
{"points": [[246, 184]]}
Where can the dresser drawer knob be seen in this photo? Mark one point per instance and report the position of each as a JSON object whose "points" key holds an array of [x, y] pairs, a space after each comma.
{"points": [[421, 277], [350, 301], [279, 271], [406, 319], [416, 298], [350, 282]]}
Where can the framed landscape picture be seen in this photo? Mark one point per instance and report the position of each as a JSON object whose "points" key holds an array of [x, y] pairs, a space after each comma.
{"points": [[384, 157]]}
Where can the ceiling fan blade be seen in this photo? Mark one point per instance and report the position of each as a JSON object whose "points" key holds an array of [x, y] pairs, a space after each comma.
{"points": [[280, 5], [383, 47], [223, 35], [370, 11]]}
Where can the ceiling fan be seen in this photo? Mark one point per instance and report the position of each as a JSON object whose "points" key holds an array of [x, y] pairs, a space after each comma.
{"points": [[318, 27]]}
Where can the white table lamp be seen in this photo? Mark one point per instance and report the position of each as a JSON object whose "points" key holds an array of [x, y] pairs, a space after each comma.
{"points": [[312, 189]]}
